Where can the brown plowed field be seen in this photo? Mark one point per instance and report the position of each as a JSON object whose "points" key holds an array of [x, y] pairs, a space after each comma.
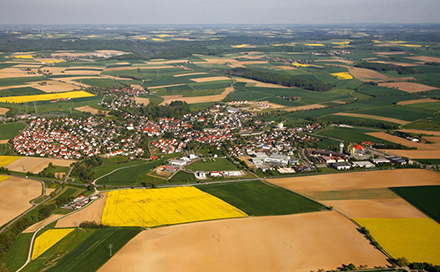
{"points": [[375, 208], [164, 86], [424, 58], [141, 100], [36, 165], [415, 154], [366, 74], [189, 74], [374, 117], [16, 72], [416, 101], [416, 131], [91, 110], [3, 110], [15, 194], [405, 142], [91, 213], [55, 87], [196, 99], [360, 180], [301, 242], [409, 87], [209, 79], [259, 83]]}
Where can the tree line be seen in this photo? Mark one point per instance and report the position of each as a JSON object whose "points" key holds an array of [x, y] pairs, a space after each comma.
{"points": [[381, 67], [280, 79]]}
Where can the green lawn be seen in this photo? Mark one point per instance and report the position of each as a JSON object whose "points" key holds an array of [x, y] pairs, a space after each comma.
{"points": [[424, 198], [10, 130], [92, 253], [182, 176], [258, 199], [208, 165]]}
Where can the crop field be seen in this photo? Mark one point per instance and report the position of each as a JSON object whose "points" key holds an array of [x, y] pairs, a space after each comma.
{"points": [[374, 117], [6, 160], [44, 97], [47, 240], [10, 130], [258, 199], [424, 198], [299, 242], [197, 99], [23, 190], [417, 239], [372, 193], [354, 135], [342, 75], [93, 249], [217, 165], [409, 87], [359, 180], [168, 206], [35, 165]]}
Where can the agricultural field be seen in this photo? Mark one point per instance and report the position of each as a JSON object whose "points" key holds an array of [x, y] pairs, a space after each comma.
{"points": [[256, 198], [168, 206], [7, 160], [22, 190], [417, 239], [44, 97], [10, 130], [47, 239], [250, 244], [217, 165], [354, 135], [35, 165]]}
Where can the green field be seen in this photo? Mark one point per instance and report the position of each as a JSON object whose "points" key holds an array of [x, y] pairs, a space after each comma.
{"points": [[371, 193], [183, 176], [17, 254], [217, 165], [20, 80], [258, 199], [10, 130], [92, 253], [20, 91], [423, 125], [424, 198], [129, 176]]}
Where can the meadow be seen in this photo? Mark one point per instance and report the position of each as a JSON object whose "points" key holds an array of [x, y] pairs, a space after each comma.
{"points": [[220, 164], [354, 135], [10, 130]]}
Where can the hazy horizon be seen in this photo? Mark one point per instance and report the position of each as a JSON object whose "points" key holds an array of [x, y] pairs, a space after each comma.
{"points": [[198, 12]]}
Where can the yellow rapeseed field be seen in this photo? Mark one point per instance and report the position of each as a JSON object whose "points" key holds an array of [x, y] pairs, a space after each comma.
{"points": [[314, 44], [296, 64], [157, 39], [342, 75], [44, 97], [167, 206], [23, 57], [341, 43], [47, 240], [6, 160], [411, 45], [164, 35], [240, 45], [3, 178], [417, 239]]}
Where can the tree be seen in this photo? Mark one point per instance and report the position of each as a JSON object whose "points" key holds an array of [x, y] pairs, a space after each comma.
{"points": [[402, 261]]}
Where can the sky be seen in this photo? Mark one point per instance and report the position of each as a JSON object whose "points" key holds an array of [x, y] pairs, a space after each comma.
{"points": [[218, 11]]}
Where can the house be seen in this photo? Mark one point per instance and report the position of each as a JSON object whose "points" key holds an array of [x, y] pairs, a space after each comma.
{"points": [[365, 164], [169, 168], [215, 174], [380, 160], [200, 175], [341, 165], [232, 173]]}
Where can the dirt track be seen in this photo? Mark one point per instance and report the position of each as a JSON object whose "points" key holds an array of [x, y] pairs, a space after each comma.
{"points": [[360, 180], [15, 194], [301, 242]]}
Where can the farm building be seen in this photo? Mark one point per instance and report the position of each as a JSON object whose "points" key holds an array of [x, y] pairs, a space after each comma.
{"points": [[200, 175], [215, 174], [177, 162], [169, 168], [380, 160], [341, 165], [365, 164], [396, 160], [286, 170], [232, 173]]}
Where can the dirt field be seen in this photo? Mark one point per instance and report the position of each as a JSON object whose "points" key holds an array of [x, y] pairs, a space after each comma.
{"points": [[3, 110], [189, 74], [409, 87], [15, 194], [141, 100], [209, 79], [49, 191], [425, 59], [55, 87], [375, 208], [90, 213], [338, 60], [416, 101], [36, 165], [392, 120], [246, 160], [405, 142], [135, 67], [416, 131], [396, 63], [360, 180], [164, 86], [415, 154], [301, 242], [16, 72], [307, 107], [38, 225], [366, 74], [91, 110], [196, 99]]}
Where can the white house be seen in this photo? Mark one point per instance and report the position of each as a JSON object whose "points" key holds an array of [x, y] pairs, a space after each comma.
{"points": [[177, 162], [365, 164]]}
